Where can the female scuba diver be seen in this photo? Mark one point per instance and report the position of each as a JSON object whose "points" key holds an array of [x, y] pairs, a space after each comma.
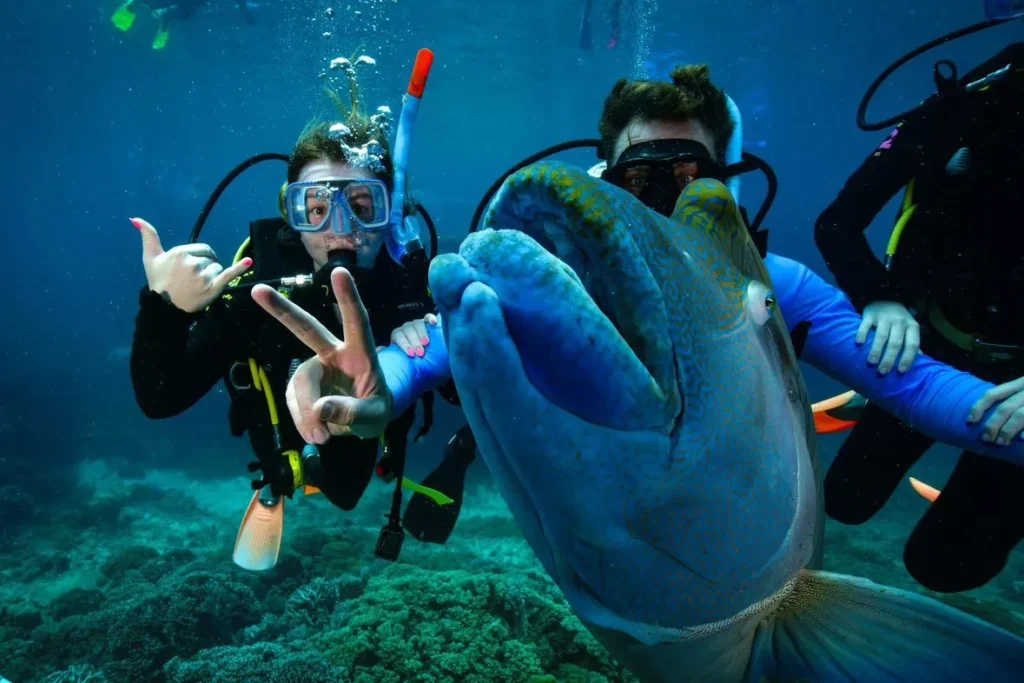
{"points": [[342, 203]]}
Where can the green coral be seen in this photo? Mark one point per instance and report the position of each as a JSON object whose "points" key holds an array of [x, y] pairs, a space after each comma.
{"points": [[141, 625], [415, 625], [258, 662]]}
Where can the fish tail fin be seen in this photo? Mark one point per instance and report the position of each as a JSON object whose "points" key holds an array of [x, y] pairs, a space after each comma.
{"points": [[259, 536], [842, 628]]}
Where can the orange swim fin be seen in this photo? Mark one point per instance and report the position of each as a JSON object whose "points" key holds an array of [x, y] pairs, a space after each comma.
{"points": [[308, 490], [259, 537], [839, 413], [929, 493]]}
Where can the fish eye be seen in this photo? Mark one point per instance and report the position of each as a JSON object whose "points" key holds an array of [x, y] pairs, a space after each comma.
{"points": [[761, 303]]}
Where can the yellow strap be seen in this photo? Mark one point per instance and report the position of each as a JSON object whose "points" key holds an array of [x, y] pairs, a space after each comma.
{"points": [[269, 393], [295, 461], [907, 212], [255, 371], [432, 494], [908, 196], [241, 250], [261, 383]]}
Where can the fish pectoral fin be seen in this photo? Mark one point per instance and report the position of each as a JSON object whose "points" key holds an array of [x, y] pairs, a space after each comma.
{"points": [[843, 628]]}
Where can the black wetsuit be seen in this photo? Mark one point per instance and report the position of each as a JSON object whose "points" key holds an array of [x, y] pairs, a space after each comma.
{"points": [[177, 358], [961, 254]]}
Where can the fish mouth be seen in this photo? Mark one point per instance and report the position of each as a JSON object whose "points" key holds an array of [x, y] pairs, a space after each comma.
{"points": [[581, 306]]}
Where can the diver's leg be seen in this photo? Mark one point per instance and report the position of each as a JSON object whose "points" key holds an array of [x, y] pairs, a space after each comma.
{"points": [[965, 538], [161, 37], [871, 463], [344, 475], [428, 520]]}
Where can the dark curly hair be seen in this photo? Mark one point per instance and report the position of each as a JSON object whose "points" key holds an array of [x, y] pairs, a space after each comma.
{"points": [[690, 95]]}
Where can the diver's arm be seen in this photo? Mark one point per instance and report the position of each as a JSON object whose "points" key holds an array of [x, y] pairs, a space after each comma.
{"points": [[932, 397], [176, 356], [839, 230], [409, 378]]}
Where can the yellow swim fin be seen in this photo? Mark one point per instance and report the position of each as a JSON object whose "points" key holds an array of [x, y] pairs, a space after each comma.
{"points": [[259, 537], [160, 41], [123, 18]]}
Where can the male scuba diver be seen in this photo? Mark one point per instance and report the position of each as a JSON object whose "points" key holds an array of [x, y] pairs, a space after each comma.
{"points": [[343, 204], [958, 270], [165, 11], [657, 137]]}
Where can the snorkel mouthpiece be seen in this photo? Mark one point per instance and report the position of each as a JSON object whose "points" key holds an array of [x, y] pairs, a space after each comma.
{"points": [[403, 237], [336, 258], [342, 258]]}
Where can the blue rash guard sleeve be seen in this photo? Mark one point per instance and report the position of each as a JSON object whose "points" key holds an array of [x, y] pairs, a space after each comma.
{"points": [[409, 378], [932, 397]]}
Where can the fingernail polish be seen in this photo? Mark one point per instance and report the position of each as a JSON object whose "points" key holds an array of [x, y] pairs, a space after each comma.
{"points": [[135, 222], [419, 352], [410, 353], [425, 341]]}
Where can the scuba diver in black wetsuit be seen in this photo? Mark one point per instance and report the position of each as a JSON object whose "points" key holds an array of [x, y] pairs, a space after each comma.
{"points": [[960, 266], [197, 323], [165, 11]]}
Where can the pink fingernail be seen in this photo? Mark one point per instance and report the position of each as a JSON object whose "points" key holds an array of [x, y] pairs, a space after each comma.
{"points": [[419, 352], [136, 223], [425, 341], [410, 353]]}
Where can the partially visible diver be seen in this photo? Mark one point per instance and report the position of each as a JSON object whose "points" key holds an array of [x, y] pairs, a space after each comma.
{"points": [[165, 11], [657, 137], [952, 277], [197, 323], [615, 24]]}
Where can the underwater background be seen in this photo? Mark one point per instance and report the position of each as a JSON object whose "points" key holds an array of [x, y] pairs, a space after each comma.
{"points": [[116, 531]]}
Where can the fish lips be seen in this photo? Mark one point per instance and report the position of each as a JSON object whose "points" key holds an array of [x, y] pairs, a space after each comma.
{"points": [[579, 304]]}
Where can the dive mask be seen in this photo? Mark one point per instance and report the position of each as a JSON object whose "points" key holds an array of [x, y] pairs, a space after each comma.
{"points": [[657, 171], [343, 205]]}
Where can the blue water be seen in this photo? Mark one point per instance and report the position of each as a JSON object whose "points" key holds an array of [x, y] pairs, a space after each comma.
{"points": [[99, 128]]}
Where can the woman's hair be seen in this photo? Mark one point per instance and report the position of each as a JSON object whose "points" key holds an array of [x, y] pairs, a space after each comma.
{"points": [[349, 137]]}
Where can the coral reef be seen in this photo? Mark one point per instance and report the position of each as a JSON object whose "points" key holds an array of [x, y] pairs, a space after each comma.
{"points": [[131, 580]]}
